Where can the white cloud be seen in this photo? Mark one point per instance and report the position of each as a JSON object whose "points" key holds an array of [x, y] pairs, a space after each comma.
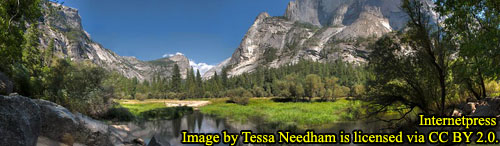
{"points": [[170, 55], [203, 67]]}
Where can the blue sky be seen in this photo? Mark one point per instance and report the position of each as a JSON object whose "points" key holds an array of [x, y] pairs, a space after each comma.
{"points": [[204, 30]]}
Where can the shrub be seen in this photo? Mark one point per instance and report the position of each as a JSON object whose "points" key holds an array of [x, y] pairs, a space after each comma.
{"points": [[166, 113], [259, 91], [119, 114], [238, 96], [238, 100]]}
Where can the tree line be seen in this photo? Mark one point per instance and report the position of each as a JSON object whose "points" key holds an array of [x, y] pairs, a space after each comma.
{"points": [[298, 82]]}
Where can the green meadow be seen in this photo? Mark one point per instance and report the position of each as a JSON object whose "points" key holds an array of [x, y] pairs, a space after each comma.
{"points": [[301, 115], [137, 109]]}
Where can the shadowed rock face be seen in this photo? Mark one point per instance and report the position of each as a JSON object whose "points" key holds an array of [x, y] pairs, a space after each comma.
{"points": [[19, 121], [311, 29], [343, 12]]}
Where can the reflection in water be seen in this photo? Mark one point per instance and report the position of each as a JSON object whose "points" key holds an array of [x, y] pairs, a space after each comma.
{"points": [[168, 131]]}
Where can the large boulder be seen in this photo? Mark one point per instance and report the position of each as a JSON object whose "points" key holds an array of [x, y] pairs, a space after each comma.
{"points": [[6, 85], [470, 107], [19, 121], [59, 124], [487, 107]]}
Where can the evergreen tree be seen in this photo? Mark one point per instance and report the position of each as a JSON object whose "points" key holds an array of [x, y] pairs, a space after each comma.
{"points": [[224, 77], [191, 83], [176, 83], [133, 87], [199, 83]]}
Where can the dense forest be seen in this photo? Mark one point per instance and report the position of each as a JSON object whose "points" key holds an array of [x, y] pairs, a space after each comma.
{"points": [[304, 79], [427, 67]]}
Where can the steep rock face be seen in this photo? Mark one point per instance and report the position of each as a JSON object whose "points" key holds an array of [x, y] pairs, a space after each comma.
{"points": [[19, 121], [318, 30], [164, 66], [62, 27], [343, 12]]}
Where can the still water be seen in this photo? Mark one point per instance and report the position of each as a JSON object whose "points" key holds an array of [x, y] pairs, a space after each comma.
{"points": [[168, 132]]}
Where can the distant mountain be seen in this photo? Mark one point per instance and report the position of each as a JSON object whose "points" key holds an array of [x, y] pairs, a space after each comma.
{"points": [[62, 25], [318, 30]]}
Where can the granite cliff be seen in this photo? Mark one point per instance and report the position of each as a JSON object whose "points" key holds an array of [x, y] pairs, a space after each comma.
{"points": [[318, 30], [61, 25]]}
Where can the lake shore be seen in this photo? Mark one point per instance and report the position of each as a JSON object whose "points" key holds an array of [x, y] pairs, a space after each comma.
{"points": [[195, 104]]}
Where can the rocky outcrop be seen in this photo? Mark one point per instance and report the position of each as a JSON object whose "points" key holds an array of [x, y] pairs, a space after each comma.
{"points": [[19, 121], [6, 85], [317, 30], [489, 107], [164, 66], [23, 120], [63, 34], [342, 12], [61, 125]]}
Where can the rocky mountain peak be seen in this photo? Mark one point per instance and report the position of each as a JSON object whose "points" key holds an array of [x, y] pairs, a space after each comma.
{"points": [[62, 26], [262, 15], [317, 30], [179, 58]]}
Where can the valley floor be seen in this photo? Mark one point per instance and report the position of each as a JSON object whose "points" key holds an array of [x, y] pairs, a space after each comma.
{"points": [[295, 115], [286, 115]]}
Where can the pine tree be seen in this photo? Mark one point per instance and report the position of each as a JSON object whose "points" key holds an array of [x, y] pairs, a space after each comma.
{"points": [[224, 78], [133, 87], [199, 84], [176, 83], [190, 83]]}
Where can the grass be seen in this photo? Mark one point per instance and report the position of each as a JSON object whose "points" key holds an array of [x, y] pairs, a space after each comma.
{"points": [[137, 109], [301, 115]]}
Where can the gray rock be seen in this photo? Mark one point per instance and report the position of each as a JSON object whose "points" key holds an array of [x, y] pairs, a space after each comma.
{"points": [[59, 124], [6, 85], [487, 107], [470, 107], [156, 142], [342, 12], [19, 121], [57, 121], [309, 28]]}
